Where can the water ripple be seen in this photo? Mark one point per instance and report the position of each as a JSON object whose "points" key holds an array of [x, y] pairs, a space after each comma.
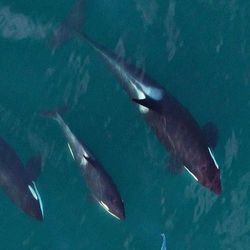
{"points": [[235, 223], [148, 10], [18, 26], [172, 30]]}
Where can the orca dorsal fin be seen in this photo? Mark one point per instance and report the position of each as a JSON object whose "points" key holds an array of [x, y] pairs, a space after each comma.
{"points": [[210, 133], [33, 167], [90, 159], [149, 103]]}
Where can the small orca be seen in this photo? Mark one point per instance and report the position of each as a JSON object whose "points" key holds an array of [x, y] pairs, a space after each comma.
{"points": [[98, 180], [189, 145], [19, 182]]}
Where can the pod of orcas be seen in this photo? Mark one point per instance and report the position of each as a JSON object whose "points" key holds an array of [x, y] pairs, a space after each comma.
{"points": [[190, 146]]}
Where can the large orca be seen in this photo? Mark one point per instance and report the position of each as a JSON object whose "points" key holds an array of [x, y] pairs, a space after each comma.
{"points": [[98, 180], [19, 182], [189, 145]]}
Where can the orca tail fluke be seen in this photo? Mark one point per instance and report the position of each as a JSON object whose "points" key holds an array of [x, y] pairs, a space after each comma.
{"points": [[54, 113], [70, 26]]}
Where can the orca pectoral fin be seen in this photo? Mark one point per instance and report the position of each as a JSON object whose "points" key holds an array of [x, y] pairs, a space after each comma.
{"points": [[149, 103], [174, 165], [210, 133], [33, 168]]}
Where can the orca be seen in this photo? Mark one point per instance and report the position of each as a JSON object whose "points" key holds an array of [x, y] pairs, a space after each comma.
{"points": [[19, 182], [99, 182]]}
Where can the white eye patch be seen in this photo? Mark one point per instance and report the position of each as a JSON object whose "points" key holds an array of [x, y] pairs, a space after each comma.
{"points": [[33, 192], [107, 209], [215, 162], [36, 195], [191, 173], [71, 152]]}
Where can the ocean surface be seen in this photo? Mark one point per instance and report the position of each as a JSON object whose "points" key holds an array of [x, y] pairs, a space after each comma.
{"points": [[198, 50]]}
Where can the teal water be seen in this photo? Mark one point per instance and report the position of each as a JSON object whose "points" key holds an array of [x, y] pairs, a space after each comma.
{"points": [[199, 51]]}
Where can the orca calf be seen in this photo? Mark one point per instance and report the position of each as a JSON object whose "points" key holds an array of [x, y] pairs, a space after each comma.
{"points": [[19, 182], [190, 146], [98, 180]]}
